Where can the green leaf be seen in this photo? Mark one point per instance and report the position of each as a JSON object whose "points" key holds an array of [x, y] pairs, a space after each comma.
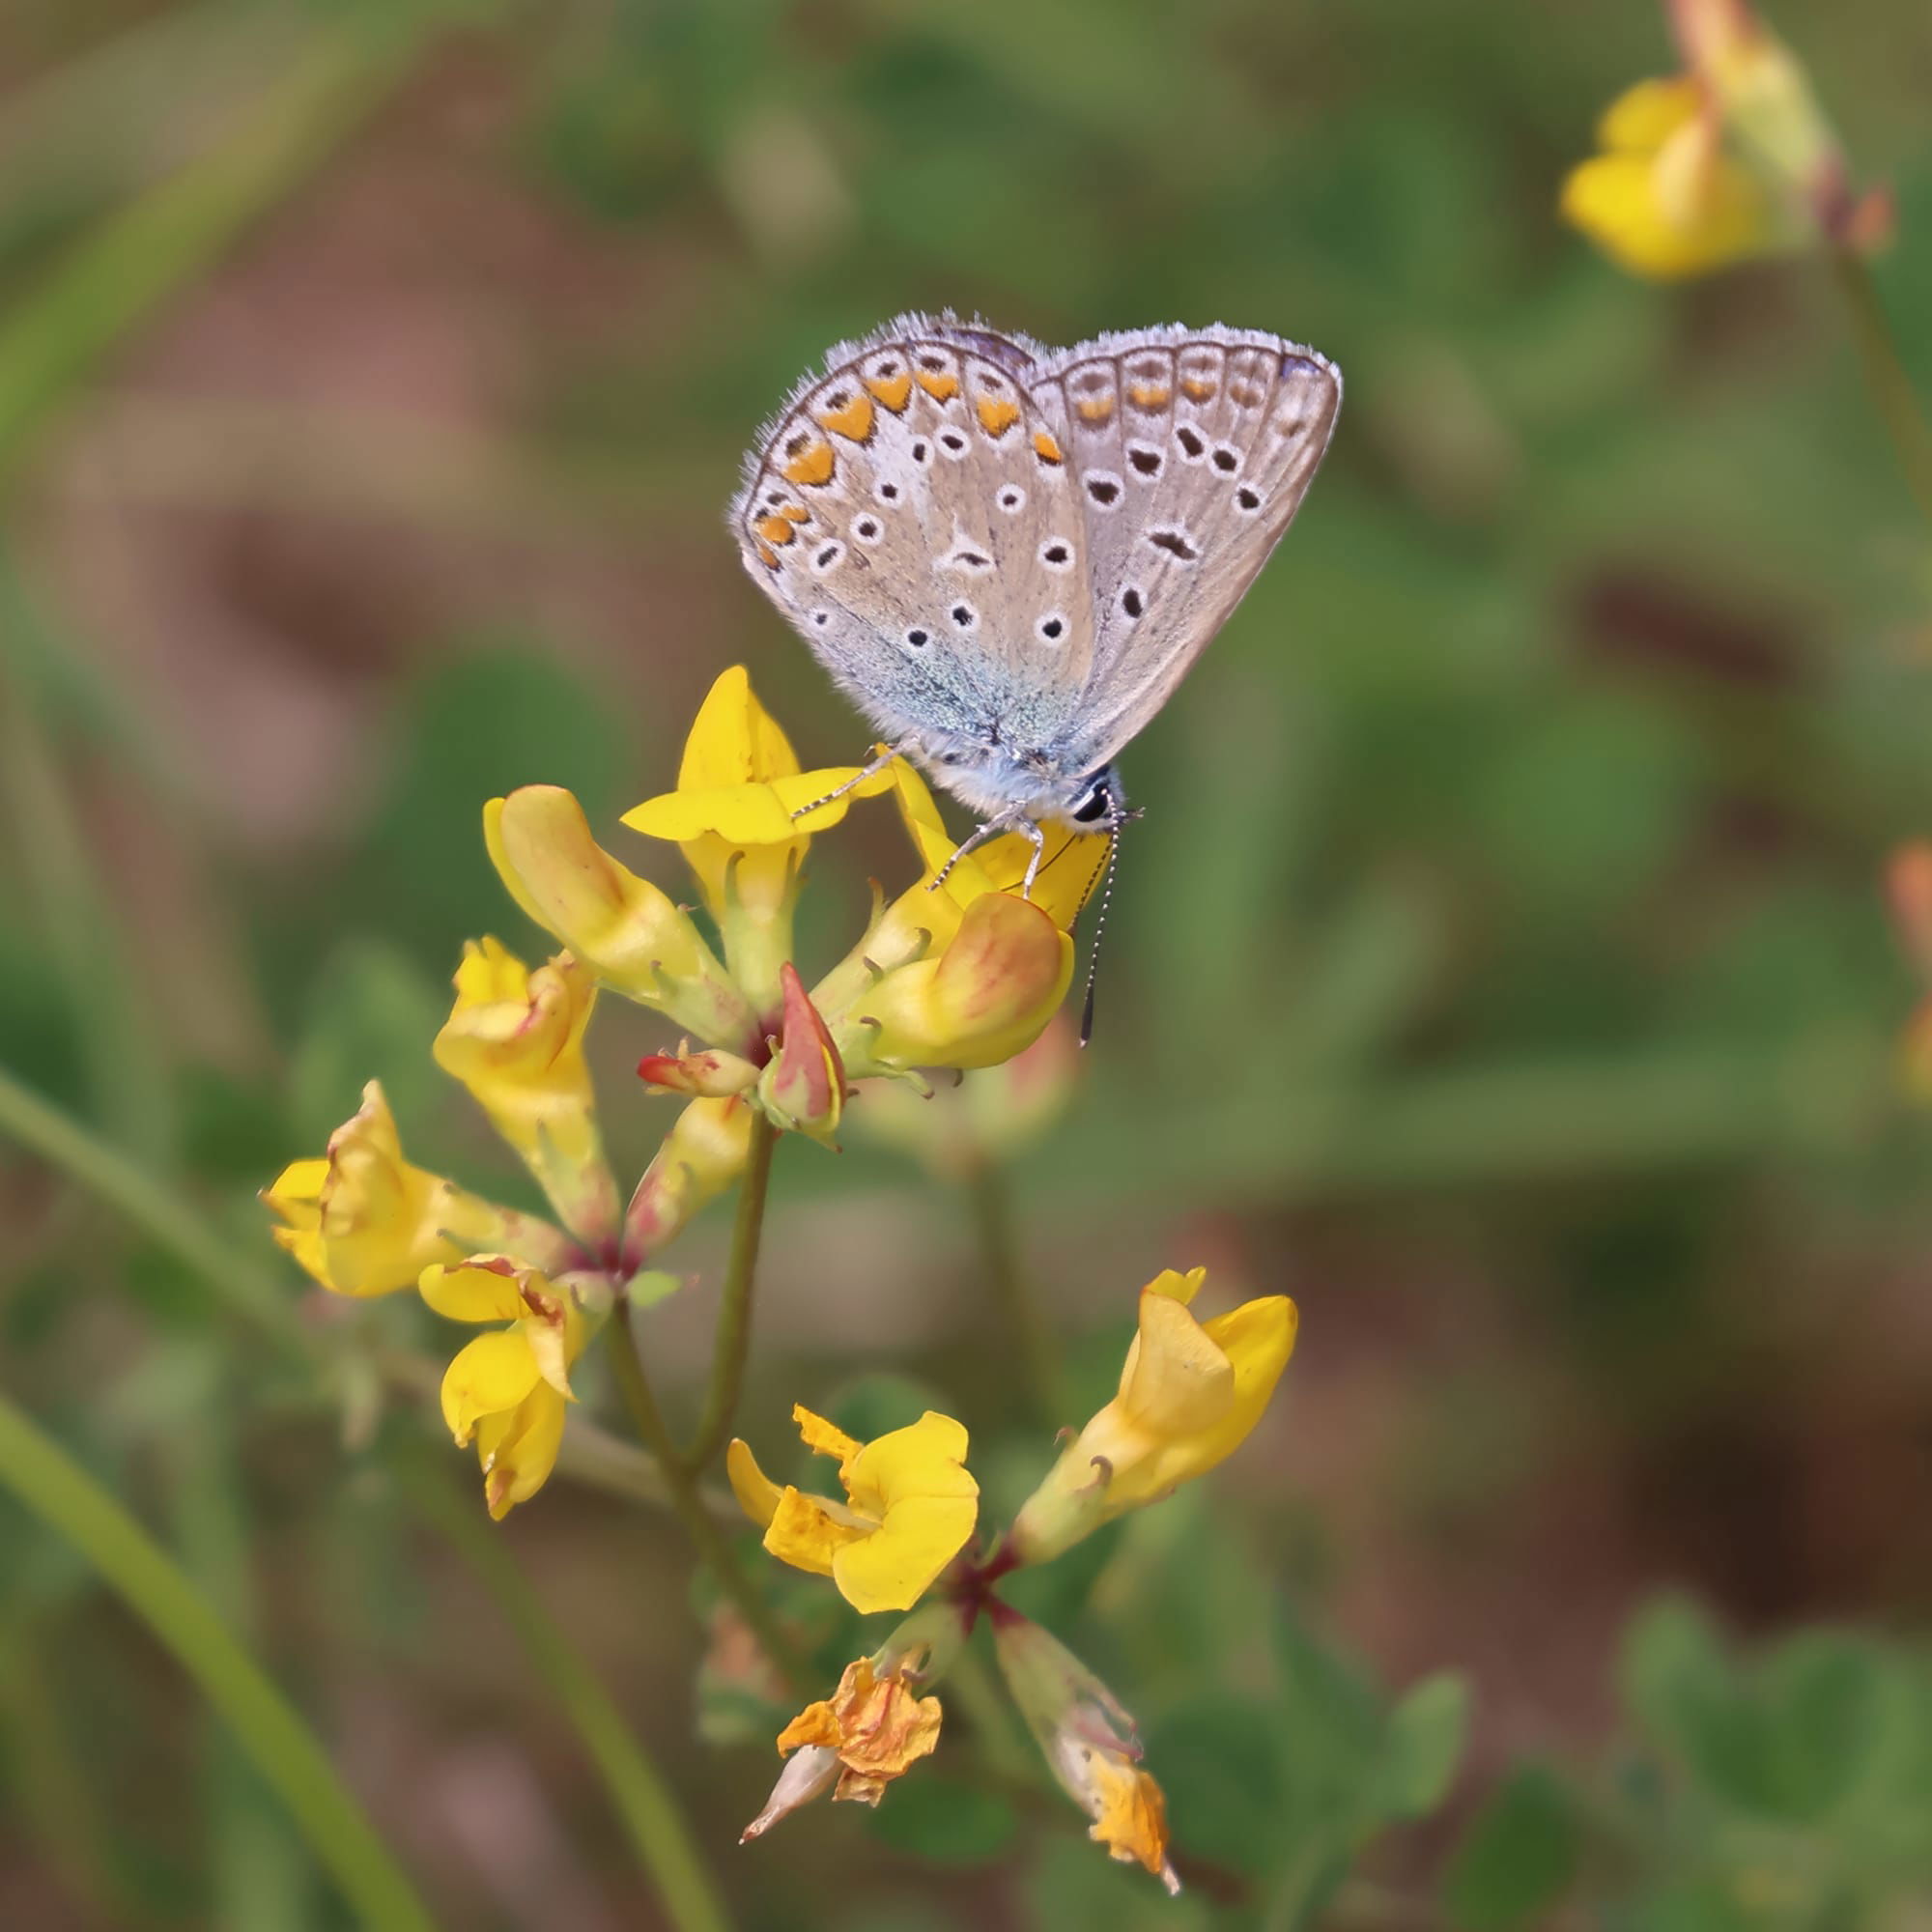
{"points": [[949, 1823], [1517, 1858], [1218, 1759], [1427, 1733], [1682, 1689]]}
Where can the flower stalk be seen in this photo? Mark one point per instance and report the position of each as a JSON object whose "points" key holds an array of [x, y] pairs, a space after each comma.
{"points": [[714, 1550], [1886, 377], [733, 1341]]}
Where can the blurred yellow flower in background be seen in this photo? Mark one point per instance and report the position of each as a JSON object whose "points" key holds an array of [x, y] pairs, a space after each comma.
{"points": [[910, 1507], [1729, 160]]}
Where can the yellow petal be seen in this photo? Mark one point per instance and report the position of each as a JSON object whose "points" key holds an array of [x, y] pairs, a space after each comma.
{"points": [[824, 1438], [479, 1289], [808, 1532], [734, 740], [741, 814], [518, 1450], [1183, 1287], [1643, 118], [1620, 202], [758, 1496], [489, 1375], [893, 1566], [1177, 1383], [1131, 1819]]}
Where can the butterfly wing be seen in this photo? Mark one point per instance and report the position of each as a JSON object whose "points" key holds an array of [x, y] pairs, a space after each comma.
{"points": [[914, 518], [1191, 453]]}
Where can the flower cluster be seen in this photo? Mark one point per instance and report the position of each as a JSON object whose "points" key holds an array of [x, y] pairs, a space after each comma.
{"points": [[1190, 1393], [963, 971], [1729, 160]]}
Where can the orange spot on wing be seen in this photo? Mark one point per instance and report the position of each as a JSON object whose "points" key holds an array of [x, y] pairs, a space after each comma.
{"points": [[894, 391], [768, 557], [997, 416], [814, 468], [940, 387], [795, 513], [775, 530], [1096, 410], [1149, 395], [854, 420], [1198, 388], [1046, 449]]}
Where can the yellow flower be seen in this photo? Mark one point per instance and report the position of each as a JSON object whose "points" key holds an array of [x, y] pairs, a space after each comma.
{"points": [[362, 1221], [628, 933], [910, 1507], [1663, 199], [1190, 1393], [731, 813], [1090, 1741], [1728, 160], [515, 1039], [507, 1389], [701, 1157]]}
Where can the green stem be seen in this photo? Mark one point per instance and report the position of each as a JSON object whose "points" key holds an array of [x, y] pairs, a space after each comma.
{"points": [[1886, 375], [161, 1212], [734, 1309], [1025, 1321], [659, 1831], [266, 1725], [707, 1538]]}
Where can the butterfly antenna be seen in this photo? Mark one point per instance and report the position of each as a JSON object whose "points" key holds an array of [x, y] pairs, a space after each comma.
{"points": [[1115, 821]]}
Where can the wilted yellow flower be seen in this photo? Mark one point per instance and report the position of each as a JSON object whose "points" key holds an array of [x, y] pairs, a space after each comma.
{"points": [[362, 1221], [509, 1388], [1728, 160], [515, 1039], [1090, 1743], [622, 928], [910, 1507], [1190, 1393]]}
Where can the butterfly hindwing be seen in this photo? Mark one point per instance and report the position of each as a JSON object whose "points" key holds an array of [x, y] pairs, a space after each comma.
{"points": [[1191, 453]]}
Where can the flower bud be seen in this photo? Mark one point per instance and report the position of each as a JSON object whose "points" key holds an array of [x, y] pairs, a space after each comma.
{"points": [[624, 929], [986, 996], [702, 1156], [803, 1091], [710, 1076]]}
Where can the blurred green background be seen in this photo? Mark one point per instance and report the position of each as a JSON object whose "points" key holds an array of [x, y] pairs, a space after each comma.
{"points": [[1501, 967]]}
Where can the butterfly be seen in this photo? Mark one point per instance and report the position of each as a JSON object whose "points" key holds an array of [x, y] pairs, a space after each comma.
{"points": [[1008, 555]]}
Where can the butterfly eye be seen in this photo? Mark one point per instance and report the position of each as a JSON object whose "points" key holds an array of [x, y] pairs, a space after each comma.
{"points": [[1096, 802]]}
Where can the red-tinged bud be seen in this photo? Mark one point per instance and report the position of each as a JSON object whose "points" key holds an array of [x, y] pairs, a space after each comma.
{"points": [[1908, 880], [804, 1087], [712, 1075]]}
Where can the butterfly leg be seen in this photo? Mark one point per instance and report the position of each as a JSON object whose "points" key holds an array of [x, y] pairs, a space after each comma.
{"points": [[1005, 822], [856, 779], [1038, 838]]}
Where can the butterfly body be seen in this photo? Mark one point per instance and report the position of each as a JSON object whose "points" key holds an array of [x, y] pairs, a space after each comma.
{"points": [[1008, 555]]}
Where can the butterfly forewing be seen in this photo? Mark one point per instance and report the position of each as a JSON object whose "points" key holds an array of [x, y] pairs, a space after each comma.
{"points": [[913, 516], [1190, 454]]}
